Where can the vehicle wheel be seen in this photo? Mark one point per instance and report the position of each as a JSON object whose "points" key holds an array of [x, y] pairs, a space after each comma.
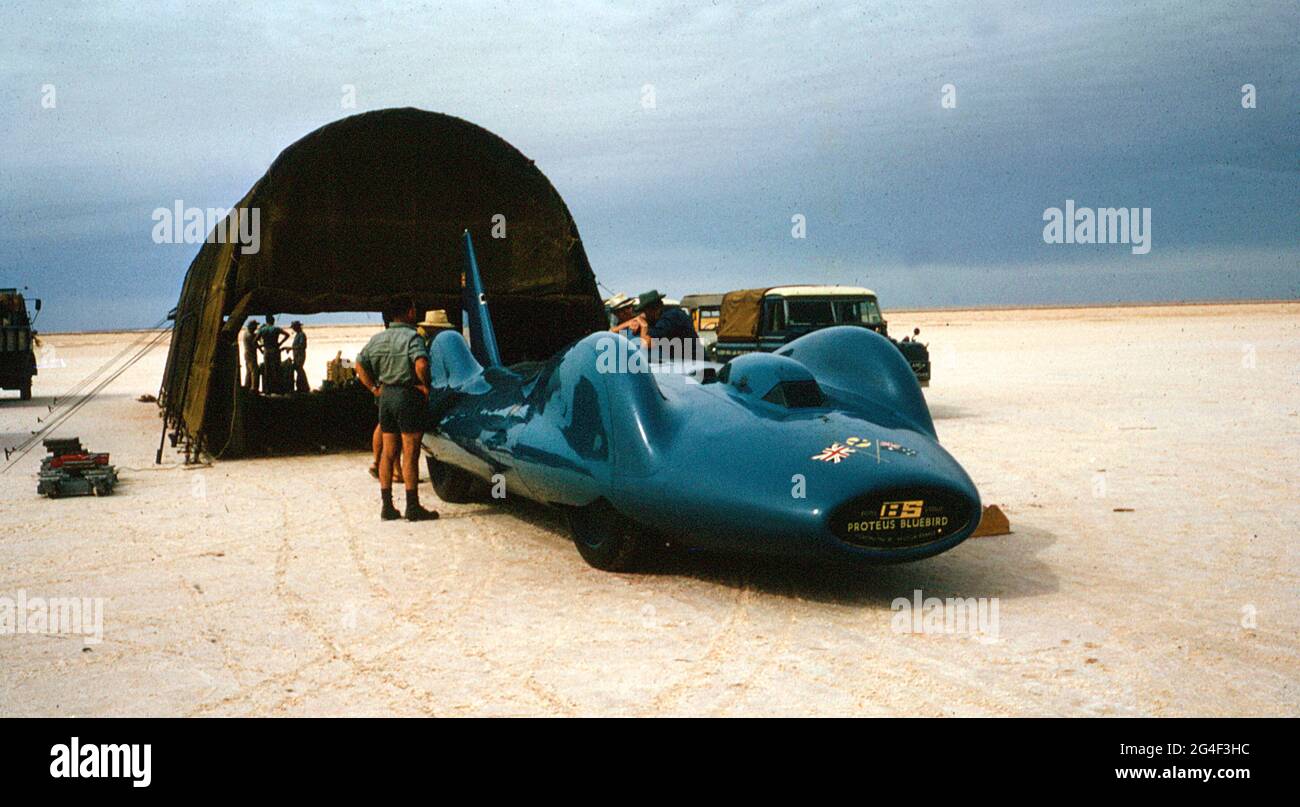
{"points": [[25, 392], [52, 490], [452, 485], [101, 489], [605, 538]]}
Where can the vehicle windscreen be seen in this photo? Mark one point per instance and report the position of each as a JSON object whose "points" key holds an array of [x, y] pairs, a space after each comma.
{"points": [[812, 313], [809, 313], [857, 312]]}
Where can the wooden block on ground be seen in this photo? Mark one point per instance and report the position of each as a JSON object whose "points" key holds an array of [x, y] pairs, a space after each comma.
{"points": [[992, 522]]}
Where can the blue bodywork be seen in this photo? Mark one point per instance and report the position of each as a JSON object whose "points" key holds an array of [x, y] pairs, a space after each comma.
{"points": [[823, 449]]}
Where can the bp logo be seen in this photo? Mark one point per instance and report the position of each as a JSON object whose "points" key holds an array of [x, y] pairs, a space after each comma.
{"points": [[908, 509]]}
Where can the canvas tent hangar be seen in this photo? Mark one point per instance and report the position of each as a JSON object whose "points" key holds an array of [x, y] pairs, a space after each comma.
{"points": [[359, 213]]}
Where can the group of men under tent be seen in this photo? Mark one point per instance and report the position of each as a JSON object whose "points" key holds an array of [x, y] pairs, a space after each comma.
{"points": [[268, 341], [269, 375]]}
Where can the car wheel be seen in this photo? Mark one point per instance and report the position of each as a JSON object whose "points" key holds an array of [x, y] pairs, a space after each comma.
{"points": [[25, 392], [452, 485], [605, 538]]}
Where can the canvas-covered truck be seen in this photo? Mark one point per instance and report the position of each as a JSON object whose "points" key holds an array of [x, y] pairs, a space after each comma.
{"points": [[17, 343], [766, 319]]}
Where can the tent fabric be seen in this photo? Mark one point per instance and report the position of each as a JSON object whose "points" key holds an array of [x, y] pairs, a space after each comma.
{"points": [[368, 210], [740, 316]]}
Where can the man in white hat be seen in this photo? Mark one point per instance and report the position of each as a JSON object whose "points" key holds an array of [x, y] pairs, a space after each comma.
{"points": [[434, 323], [621, 309]]}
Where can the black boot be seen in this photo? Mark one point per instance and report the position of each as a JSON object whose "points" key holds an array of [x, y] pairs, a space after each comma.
{"points": [[388, 513], [414, 512]]}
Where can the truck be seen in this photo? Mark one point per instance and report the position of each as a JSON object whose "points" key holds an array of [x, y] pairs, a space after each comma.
{"points": [[765, 319], [705, 309], [17, 343]]}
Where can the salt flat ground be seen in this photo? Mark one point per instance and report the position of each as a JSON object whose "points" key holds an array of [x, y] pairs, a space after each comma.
{"points": [[1147, 458]]}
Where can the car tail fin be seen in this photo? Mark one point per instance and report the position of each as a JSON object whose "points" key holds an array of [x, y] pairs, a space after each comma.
{"points": [[482, 339]]}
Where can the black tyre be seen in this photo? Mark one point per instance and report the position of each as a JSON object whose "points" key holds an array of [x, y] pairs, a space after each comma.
{"points": [[25, 392], [453, 485], [606, 539]]}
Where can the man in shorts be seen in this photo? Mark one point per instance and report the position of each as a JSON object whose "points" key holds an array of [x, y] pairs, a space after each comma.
{"points": [[394, 365]]}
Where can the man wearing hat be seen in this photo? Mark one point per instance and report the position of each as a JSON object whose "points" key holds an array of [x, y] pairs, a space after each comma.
{"points": [[658, 321], [434, 323], [299, 348], [620, 311]]}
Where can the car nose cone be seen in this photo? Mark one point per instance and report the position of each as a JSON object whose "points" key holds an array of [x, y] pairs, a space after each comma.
{"points": [[902, 517]]}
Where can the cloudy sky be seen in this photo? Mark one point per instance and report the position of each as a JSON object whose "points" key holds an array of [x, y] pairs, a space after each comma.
{"points": [[760, 112]]}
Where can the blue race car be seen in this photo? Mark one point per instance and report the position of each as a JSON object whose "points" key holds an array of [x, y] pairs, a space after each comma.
{"points": [[824, 449]]}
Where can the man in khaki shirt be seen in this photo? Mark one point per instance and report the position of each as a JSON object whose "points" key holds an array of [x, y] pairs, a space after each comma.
{"points": [[394, 365]]}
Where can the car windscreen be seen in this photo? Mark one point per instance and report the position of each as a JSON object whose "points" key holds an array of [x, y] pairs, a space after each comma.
{"points": [[857, 312], [803, 313]]}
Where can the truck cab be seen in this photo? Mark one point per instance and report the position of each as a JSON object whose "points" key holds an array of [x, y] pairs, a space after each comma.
{"points": [[705, 310], [767, 319], [17, 343]]}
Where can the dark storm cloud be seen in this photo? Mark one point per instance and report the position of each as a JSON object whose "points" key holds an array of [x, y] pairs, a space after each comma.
{"points": [[831, 112]]}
